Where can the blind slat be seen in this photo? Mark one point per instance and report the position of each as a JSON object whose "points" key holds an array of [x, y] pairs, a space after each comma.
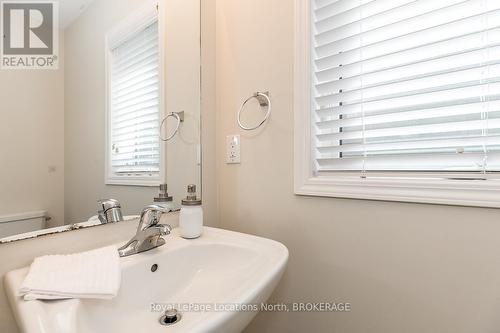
{"points": [[428, 68], [421, 114], [453, 144]]}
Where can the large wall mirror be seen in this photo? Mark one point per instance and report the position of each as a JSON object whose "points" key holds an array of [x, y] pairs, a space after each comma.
{"points": [[81, 114]]}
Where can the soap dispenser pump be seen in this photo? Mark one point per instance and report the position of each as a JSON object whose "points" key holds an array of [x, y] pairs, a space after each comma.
{"points": [[191, 215], [163, 199]]}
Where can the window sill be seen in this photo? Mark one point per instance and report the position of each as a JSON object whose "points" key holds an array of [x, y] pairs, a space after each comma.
{"points": [[146, 182], [477, 193]]}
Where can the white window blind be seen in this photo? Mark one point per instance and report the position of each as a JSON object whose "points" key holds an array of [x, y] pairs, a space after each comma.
{"points": [[135, 105], [406, 85]]}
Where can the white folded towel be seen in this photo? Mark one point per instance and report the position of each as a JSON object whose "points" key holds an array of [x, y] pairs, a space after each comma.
{"points": [[92, 274]]}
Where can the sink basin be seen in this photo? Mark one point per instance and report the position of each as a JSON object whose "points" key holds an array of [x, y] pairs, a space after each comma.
{"points": [[216, 282]]}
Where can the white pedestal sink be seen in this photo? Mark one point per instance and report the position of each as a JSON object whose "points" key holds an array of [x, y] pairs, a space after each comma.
{"points": [[206, 280]]}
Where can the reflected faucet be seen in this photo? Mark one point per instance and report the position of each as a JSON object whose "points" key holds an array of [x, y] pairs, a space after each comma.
{"points": [[149, 232], [110, 212]]}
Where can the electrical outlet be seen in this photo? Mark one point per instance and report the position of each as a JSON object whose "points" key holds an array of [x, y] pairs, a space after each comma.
{"points": [[233, 149]]}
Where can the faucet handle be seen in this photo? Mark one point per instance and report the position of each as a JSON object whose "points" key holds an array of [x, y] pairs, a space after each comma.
{"points": [[165, 229], [150, 216], [157, 210], [110, 211], [108, 203]]}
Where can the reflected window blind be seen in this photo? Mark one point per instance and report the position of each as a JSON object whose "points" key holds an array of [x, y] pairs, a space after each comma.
{"points": [[135, 104], [402, 85]]}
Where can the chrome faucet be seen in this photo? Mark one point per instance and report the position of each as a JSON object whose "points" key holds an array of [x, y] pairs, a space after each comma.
{"points": [[110, 211], [149, 232]]}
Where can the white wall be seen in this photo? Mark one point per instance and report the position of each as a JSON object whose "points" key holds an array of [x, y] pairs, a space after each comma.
{"points": [[85, 105], [32, 141], [404, 267]]}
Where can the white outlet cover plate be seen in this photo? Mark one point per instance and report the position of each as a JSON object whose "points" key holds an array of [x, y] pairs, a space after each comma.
{"points": [[233, 149]]}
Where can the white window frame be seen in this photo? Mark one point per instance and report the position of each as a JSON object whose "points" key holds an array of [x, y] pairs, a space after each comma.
{"points": [[433, 188], [122, 31]]}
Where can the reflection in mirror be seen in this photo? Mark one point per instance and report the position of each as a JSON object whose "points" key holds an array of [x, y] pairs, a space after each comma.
{"points": [[88, 128]]}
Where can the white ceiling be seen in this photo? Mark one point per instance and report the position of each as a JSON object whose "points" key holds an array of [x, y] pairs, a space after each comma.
{"points": [[70, 10]]}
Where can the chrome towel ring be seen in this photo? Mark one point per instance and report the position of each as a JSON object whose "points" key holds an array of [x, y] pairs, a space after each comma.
{"points": [[179, 116], [264, 100]]}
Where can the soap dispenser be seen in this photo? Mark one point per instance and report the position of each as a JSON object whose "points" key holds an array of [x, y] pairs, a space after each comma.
{"points": [[191, 215], [163, 199]]}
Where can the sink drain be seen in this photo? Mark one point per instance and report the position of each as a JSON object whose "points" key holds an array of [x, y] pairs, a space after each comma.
{"points": [[170, 317]]}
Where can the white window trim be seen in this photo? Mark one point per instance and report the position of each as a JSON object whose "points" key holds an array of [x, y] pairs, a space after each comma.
{"points": [[127, 27], [410, 187]]}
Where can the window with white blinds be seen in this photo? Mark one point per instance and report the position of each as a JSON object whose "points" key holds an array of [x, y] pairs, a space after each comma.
{"points": [[134, 104], [405, 85]]}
